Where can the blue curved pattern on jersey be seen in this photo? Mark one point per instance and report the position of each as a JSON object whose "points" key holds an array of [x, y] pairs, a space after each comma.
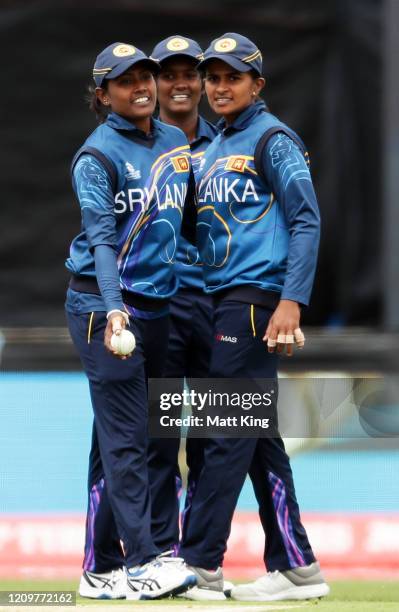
{"points": [[94, 192], [252, 231]]}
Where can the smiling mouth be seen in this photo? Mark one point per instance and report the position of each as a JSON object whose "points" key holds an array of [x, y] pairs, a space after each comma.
{"points": [[222, 100], [142, 100], [180, 97]]}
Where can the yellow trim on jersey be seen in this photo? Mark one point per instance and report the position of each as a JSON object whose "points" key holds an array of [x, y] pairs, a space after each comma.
{"points": [[90, 327], [200, 154], [222, 159], [226, 227], [253, 320], [182, 148], [257, 218]]}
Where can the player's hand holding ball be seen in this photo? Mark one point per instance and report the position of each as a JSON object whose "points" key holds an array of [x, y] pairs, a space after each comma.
{"points": [[123, 343], [118, 340]]}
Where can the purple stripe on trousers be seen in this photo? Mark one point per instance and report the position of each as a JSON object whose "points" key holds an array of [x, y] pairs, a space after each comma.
{"points": [[179, 487], [279, 496], [188, 502], [94, 503]]}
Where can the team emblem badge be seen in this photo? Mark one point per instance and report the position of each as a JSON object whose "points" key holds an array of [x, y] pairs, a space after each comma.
{"points": [[236, 163], [225, 45], [180, 163], [124, 50], [177, 44]]}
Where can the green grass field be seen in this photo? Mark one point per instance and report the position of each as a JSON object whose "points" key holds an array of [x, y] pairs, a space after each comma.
{"points": [[346, 596]]}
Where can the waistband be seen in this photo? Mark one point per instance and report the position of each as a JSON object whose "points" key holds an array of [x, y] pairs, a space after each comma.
{"points": [[248, 294], [88, 284]]}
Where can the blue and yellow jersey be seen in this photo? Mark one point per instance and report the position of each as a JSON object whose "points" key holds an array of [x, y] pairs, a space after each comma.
{"points": [[253, 230], [140, 215], [188, 264]]}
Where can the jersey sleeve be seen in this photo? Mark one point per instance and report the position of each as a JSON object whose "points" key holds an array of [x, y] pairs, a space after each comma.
{"points": [[93, 189], [287, 172]]}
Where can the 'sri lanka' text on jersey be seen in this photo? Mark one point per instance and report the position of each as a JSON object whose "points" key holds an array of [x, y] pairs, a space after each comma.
{"points": [[252, 230], [142, 220]]}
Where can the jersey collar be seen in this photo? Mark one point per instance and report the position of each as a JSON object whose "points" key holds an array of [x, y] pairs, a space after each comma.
{"points": [[244, 119], [206, 131], [117, 122]]}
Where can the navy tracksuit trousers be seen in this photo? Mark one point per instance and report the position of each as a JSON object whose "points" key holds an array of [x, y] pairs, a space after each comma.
{"points": [[119, 505], [226, 461], [189, 351]]}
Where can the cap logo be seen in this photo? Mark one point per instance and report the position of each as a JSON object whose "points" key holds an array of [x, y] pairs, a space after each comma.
{"points": [[177, 44], [124, 50], [225, 45]]}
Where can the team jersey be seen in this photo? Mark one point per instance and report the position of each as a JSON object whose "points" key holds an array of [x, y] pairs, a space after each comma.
{"points": [[140, 215], [262, 232], [188, 264]]}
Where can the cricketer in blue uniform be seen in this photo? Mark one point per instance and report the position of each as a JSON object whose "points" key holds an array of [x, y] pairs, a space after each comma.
{"points": [[180, 88], [131, 185], [258, 234]]}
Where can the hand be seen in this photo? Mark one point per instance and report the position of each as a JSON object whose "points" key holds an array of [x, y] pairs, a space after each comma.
{"points": [[115, 324], [283, 329]]}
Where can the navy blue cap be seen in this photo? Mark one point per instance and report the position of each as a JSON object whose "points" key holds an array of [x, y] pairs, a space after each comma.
{"points": [[236, 50], [177, 45], [115, 59]]}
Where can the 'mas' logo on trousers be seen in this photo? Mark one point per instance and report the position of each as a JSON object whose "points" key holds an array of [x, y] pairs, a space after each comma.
{"points": [[223, 338]]}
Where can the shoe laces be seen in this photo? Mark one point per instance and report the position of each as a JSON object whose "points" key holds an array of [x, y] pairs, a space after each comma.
{"points": [[115, 575], [167, 557]]}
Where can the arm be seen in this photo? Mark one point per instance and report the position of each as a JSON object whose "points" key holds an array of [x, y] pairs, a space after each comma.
{"points": [[93, 189], [287, 172]]}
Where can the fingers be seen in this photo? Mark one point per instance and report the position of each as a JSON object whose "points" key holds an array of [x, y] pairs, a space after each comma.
{"points": [[299, 337], [116, 323], [280, 342]]}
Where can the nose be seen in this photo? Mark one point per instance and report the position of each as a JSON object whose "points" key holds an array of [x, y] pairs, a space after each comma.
{"points": [[141, 87], [221, 87], [181, 85]]}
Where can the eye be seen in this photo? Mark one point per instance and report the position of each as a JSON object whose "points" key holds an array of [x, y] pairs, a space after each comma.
{"points": [[166, 76], [210, 78], [146, 76]]}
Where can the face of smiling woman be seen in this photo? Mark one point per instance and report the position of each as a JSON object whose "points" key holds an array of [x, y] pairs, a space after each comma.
{"points": [[179, 86], [230, 92], [132, 95]]}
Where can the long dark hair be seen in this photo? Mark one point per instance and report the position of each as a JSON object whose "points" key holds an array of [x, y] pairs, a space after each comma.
{"points": [[100, 110]]}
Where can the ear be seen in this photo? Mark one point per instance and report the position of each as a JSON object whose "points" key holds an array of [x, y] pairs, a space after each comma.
{"points": [[102, 96], [259, 85]]}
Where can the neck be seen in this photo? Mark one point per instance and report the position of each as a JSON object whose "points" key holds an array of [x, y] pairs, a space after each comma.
{"points": [[188, 123], [143, 124]]}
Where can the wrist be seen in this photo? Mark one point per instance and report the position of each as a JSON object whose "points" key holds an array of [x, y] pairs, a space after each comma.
{"points": [[121, 313]]}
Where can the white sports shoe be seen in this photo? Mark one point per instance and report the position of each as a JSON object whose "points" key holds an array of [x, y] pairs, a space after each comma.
{"points": [[210, 585], [110, 585], [160, 577], [298, 583]]}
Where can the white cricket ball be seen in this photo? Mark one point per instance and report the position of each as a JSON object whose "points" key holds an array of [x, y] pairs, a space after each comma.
{"points": [[124, 343]]}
